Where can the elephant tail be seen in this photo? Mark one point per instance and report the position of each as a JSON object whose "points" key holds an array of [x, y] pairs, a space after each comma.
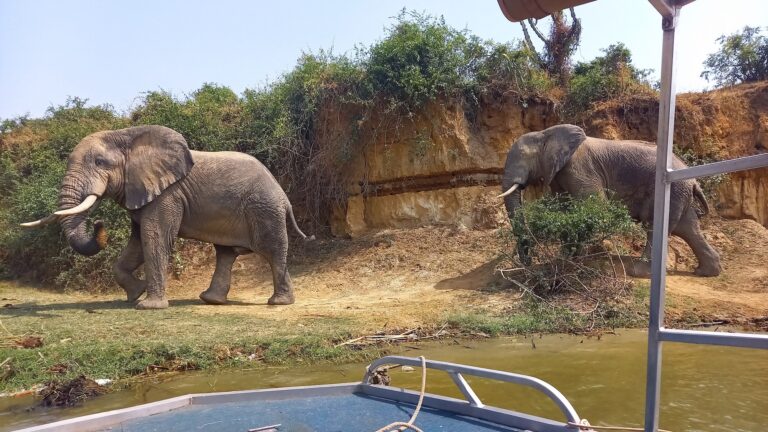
{"points": [[289, 213], [703, 207]]}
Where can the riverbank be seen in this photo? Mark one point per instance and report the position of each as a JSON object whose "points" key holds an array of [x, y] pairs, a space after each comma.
{"points": [[597, 370], [422, 283]]}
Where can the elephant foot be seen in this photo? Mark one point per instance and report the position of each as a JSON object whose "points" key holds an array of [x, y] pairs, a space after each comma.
{"points": [[639, 269], [211, 297], [707, 271], [152, 303], [134, 294], [281, 299]]}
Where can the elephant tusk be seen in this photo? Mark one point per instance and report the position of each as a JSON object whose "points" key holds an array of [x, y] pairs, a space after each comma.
{"points": [[83, 206], [40, 222], [509, 191]]}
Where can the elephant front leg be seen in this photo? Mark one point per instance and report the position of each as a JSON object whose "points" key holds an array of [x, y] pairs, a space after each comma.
{"points": [[158, 233], [217, 292], [130, 259]]}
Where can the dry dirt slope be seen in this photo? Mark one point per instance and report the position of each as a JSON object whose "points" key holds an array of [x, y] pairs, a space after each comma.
{"points": [[410, 278]]}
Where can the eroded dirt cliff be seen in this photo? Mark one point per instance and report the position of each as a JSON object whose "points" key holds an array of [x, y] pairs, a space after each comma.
{"points": [[437, 167]]}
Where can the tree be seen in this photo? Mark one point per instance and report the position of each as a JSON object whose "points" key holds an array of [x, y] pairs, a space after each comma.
{"points": [[564, 38], [742, 58]]}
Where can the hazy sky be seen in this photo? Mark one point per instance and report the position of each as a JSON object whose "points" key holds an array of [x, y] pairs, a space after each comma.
{"points": [[112, 51]]}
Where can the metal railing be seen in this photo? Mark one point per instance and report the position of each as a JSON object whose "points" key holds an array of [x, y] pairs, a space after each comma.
{"points": [[666, 175], [457, 372]]}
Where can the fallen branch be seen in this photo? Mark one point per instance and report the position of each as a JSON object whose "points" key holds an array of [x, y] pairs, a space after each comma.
{"points": [[408, 335]]}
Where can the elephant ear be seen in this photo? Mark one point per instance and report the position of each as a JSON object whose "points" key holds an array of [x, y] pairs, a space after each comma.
{"points": [[560, 142], [156, 158]]}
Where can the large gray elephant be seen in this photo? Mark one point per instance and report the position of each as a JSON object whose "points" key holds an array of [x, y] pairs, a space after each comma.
{"points": [[568, 161], [226, 198]]}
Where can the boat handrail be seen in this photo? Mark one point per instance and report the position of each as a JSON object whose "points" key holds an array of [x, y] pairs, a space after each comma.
{"points": [[457, 372]]}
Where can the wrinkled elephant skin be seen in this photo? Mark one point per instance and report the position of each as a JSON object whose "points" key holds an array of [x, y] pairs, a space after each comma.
{"points": [[568, 161]]}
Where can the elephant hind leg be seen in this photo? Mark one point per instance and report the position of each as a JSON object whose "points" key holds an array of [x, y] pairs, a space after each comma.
{"points": [[689, 230], [274, 247], [222, 276], [130, 259]]}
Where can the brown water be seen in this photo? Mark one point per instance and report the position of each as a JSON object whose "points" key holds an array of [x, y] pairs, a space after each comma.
{"points": [[704, 388]]}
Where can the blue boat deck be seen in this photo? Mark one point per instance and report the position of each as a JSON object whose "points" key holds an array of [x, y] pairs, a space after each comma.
{"points": [[350, 412], [356, 406]]}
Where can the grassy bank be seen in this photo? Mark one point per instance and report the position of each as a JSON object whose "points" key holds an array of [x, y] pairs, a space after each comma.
{"points": [[100, 336]]}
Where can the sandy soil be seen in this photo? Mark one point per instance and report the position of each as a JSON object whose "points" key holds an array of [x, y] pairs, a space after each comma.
{"points": [[412, 278]]}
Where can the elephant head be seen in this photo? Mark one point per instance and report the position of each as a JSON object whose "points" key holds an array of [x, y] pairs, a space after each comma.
{"points": [[535, 158], [132, 166]]}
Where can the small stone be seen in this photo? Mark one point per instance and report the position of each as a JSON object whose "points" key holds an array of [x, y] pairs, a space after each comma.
{"points": [[407, 369], [103, 381]]}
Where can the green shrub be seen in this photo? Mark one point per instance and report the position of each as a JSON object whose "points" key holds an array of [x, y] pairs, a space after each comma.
{"points": [[606, 77], [575, 224], [209, 118], [420, 60], [33, 163], [560, 238], [508, 67]]}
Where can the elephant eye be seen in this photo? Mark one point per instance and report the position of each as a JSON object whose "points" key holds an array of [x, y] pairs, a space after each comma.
{"points": [[101, 162]]}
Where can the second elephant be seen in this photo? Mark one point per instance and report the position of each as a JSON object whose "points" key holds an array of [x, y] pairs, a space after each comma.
{"points": [[565, 159]]}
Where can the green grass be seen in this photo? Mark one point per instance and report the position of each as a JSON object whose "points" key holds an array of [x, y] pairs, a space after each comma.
{"points": [[109, 339], [100, 337], [534, 316]]}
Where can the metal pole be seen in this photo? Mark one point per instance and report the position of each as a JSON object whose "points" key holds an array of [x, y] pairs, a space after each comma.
{"points": [[660, 221]]}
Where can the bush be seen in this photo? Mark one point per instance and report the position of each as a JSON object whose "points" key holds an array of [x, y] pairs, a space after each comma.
{"points": [[742, 58], [507, 67], [33, 163], [561, 238], [609, 76], [421, 59], [209, 118]]}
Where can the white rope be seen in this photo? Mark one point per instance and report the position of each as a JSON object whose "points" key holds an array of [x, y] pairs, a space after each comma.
{"points": [[403, 426]]}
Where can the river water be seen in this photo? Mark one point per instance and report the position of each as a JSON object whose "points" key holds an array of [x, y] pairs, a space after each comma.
{"points": [[703, 388]]}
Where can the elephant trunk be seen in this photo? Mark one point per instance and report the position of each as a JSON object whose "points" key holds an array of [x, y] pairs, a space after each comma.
{"points": [[512, 202], [74, 225]]}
